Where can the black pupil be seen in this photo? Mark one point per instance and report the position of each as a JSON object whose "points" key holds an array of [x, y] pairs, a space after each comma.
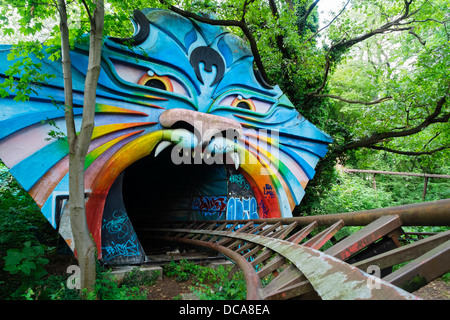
{"points": [[155, 83], [243, 105]]}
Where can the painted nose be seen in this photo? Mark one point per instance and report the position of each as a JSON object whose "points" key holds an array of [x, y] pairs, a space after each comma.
{"points": [[206, 125]]}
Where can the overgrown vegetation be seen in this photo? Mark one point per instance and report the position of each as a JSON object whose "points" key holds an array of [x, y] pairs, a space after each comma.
{"points": [[29, 246], [28, 242], [355, 192], [210, 284]]}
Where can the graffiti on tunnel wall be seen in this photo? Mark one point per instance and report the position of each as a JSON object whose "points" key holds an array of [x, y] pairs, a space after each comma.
{"points": [[242, 208], [212, 207], [123, 240]]}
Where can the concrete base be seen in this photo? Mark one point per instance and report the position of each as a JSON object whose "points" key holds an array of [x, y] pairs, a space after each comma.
{"points": [[120, 272], [189, 296], [224, 262]]}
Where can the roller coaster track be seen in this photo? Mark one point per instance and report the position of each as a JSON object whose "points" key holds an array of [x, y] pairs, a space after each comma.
{"points": [[300, 258]]}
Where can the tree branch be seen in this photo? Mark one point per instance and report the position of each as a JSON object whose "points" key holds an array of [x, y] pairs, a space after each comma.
{"points": [[67, 72], [279, 38], [377, 137], [87, 9], [352, 101], [387, 27], [408, 153], [303, 19], [417, 36], [344, 44], [325, 76], [323, 28], [429, 141], [234, 23]]}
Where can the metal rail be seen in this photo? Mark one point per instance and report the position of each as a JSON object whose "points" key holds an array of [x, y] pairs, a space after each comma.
{"points": [[299, 257]]}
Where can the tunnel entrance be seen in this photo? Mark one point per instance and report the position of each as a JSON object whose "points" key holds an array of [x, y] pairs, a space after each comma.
{"points": [[155, 189]]}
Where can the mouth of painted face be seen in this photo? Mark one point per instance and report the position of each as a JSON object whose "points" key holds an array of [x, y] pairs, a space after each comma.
{"points": [[191, 174], [187, 147], [198, 138]]}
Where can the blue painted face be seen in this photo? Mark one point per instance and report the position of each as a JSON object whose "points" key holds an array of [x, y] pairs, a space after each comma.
{"points": [[175, 83], [176, 63]]}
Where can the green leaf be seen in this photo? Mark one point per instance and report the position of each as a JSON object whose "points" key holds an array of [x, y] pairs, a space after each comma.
{"points": [[11, 269], [13, 257], [26, 268], [8, 31]]}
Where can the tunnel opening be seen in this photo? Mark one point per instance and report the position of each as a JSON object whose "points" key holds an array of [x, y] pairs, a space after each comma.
{"points": [[155, 189]]}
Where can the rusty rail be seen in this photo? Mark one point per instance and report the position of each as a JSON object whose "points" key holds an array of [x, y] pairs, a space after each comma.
{"points": [[300, 257], [433, 213]]}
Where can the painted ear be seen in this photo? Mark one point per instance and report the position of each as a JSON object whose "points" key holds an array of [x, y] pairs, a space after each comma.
{"points": [[261, 80], [143, 30], [209, 57]]}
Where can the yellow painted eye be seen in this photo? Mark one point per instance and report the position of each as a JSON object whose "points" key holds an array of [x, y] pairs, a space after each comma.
{"points": [[239, 102], [155, 81]]}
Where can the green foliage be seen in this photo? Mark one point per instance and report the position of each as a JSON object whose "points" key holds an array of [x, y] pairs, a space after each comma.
{"points": [[355, 192], [108, 288], [211, 284], [446, 277], [137, 278], [224, 288], [352, 193], [24, 76], [30, 260], [20, 218], [182, 271], [185, 270], [12, 193]]}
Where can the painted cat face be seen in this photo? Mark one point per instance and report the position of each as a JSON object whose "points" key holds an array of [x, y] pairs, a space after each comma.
{"points": [[184, 129]]}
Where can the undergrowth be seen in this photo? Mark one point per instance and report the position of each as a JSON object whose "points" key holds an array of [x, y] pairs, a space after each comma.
{"points": [[210, 284]]}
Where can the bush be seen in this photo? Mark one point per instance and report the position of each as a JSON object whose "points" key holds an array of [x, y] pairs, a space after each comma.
{"points": [[29, 261], [353, 193], [108, 288], [211, 284], [137, 278], [224, 288]]}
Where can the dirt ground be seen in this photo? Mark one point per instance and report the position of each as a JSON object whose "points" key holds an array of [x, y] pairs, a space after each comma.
{"points": [[169, 289], [435, 290]]}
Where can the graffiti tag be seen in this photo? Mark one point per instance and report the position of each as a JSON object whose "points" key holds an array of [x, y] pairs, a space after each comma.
{"points": [[239, 180], [118, 225], [238, 209], [268, 191], [263, 209], [127, 249], [210, 203]]}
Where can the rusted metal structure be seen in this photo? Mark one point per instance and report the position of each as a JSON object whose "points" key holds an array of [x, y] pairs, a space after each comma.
{"points": [[300, 258]]}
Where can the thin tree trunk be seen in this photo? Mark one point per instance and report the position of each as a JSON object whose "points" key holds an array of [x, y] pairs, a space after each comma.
{"points": [[78, 144]]}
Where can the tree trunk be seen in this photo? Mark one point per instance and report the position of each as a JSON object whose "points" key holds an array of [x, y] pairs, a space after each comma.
{"points": [[85, 247]]}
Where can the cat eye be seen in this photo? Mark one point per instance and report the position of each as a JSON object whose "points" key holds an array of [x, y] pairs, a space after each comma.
{"points": [[161, 80], [242, 103], [250, 103], [152, 80]]}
